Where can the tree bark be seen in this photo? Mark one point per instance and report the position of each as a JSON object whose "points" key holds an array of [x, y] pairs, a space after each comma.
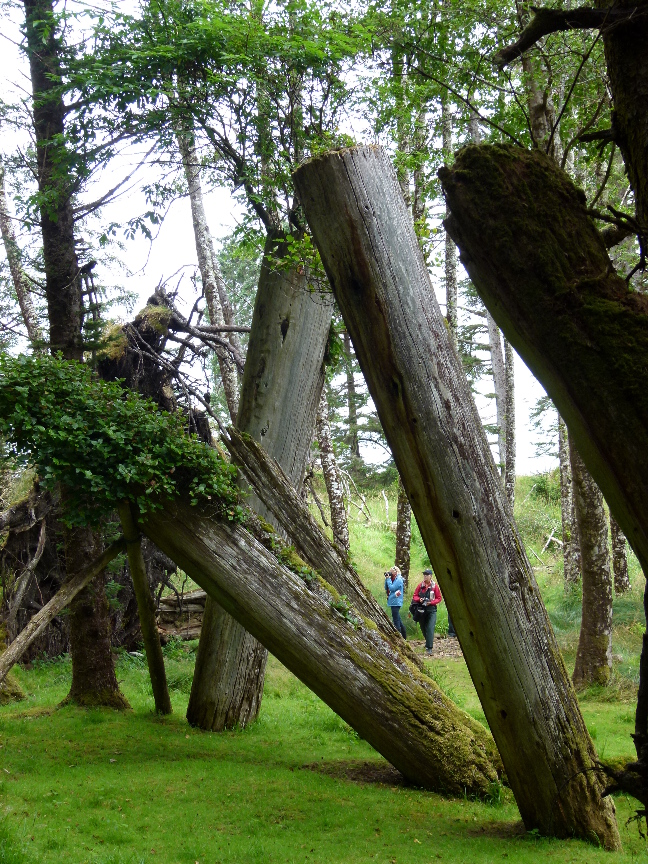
{"points": [[62, 283], [366, 240], [509, 409], [571, 548], [352, 406], [360, 674], [280, 393], [403, 533], [146, 609], [499, 383], [594, 654], [20, 283], [619, 558], [51, 609], [542, 268], [93, 670], [207, 265], [450, 262], [332, 478]]}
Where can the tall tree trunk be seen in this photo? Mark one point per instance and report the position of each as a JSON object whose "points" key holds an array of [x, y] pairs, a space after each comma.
{"points": [[619, 558], [509, 409], [93, 670], [207, 265], [499, 383], [352, 405], [451, 290], [281, 389], [571, 547], [146, 609], [18, 277], [403, 533], [594, 654], [332, 478], [354, 207], [359, 671]]}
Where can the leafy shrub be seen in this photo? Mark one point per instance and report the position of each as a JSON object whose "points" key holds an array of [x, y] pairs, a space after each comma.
{"points": [[102, 443], [546, 487]]}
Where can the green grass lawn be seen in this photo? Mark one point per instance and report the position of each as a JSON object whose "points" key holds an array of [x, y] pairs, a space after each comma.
{"points": [[113, 787], [105, 786]]}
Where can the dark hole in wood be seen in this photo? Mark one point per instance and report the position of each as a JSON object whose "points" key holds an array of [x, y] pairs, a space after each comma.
{"points": [[285, 324]]}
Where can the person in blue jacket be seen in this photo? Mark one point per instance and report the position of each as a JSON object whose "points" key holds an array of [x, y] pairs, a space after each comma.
{"points": [[395, 589]]}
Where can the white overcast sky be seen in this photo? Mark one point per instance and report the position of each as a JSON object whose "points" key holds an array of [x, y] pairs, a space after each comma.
{"points": [[173, 250]]}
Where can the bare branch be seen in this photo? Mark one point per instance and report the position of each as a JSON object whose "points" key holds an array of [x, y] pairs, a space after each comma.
{"points": [[546, 21]]}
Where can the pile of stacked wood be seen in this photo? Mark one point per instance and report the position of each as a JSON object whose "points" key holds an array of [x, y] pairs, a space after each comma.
{"points": [[180, 615]]}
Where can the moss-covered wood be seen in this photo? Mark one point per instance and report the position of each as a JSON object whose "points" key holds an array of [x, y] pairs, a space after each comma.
{"points": [[360, 674], [368, 246], [292, 515]]}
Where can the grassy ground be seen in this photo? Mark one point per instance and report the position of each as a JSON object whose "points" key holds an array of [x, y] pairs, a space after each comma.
{"points": [[107, 787]]}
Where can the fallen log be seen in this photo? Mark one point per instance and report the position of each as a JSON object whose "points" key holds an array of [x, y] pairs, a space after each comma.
{"points": [[542, 269], [324, 641], [366, 239], [58, 602]]}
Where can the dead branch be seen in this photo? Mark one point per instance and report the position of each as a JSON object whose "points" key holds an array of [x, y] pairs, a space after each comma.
{"points": [[59, 601]]}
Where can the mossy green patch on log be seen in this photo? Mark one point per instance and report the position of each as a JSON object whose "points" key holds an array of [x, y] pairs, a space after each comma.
{"points": [[11, 691]]}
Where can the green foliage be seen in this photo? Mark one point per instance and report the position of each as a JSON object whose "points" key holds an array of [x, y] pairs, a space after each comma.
{"points": [[547, 487], [102, 443], [344, 608]]}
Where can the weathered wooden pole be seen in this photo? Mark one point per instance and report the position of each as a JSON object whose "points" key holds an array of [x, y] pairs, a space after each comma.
{"points": [[280, 392], [145, 608], [366, 239], [360, 673]]}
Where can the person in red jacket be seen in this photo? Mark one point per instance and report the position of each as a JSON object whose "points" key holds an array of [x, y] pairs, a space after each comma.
{"points": [[428, 595]]}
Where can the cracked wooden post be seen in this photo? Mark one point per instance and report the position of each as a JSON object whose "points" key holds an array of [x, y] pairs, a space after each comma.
{"points": [[359, 672], [366, 238]]}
